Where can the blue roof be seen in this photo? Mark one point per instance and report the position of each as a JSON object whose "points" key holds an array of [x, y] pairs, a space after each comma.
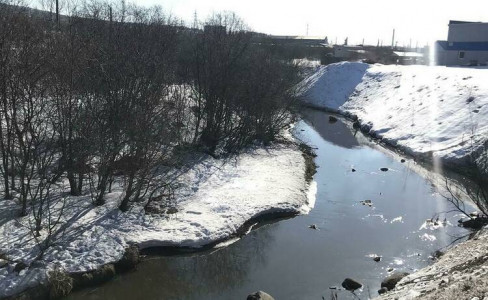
{"points": [[463, 46], [461, 22]]}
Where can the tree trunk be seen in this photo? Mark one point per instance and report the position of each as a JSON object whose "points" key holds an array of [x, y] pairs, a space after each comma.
{"points": [[124, 205], [74, 191]]}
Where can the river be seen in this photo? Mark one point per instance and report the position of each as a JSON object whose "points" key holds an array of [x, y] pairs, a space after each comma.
{"points": [[289, 260]]}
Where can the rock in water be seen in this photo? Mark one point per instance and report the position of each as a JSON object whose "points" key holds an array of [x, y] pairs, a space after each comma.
{"points": [[402, 161], [384, 169], [332, 119], [391, 281], [313, 226], [260, 295], [3, 263], [351, 284], [382, 290], [20, 266], [377, 258]]}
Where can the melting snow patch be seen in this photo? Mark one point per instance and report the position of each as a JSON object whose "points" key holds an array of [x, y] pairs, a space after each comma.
{"points": [[428, 237], [397, 219]]}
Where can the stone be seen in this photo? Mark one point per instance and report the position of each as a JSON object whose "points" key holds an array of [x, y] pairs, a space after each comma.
{"points": [[384, 169], [367, 202], [377, 258], [391, 281], [3, 263], [437, 254], [356, 125], [313, 226], [351, 284], [171, 210], [353, 170], [260, 295], [19, 267], [382, 290], [402, 160], [332, 119], [476, 223]]}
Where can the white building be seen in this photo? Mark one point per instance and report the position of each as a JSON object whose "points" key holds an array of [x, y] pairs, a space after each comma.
{"points": [[467, 44]]}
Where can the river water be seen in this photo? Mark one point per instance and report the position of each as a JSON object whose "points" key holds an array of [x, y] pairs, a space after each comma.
{"points": [[289, 260]]}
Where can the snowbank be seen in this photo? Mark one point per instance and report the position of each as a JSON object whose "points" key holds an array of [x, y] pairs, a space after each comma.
{"points": [[461, 273], [436, 112], [330, 86], [215, 199]]}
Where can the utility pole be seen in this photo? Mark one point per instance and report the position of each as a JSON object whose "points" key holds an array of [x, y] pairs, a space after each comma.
{"points": [[393, 39], [195, 20], [57, 13]]}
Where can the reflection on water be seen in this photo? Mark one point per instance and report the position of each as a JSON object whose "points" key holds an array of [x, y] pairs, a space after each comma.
{"points": [[291, 261], [340, 136]]}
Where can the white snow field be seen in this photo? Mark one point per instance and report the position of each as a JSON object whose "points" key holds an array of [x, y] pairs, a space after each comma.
{"points": [[215, 199], [435, 112]]}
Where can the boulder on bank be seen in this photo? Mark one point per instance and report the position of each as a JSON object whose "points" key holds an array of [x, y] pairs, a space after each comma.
{"points": [[391, 281], [475, 223], [260, 295], [351, 284], [3, 263], [130, 259], [20, 266]]}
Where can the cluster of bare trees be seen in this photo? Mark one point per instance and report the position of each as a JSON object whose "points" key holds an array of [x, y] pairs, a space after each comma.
{"points": [[243, 92], [111, 91]]}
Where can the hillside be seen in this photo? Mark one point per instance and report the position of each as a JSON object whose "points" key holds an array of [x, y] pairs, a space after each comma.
{"points": [[433, 112]]}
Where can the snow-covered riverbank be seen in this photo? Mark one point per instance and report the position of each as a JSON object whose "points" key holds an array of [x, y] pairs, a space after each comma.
{"points": [[432, 112], [436, 113], [461, 273], [215, 200]]}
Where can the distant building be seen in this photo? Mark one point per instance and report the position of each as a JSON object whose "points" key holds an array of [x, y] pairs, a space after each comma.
{"points": [[408, 58], [467, 44], [348, 52]]}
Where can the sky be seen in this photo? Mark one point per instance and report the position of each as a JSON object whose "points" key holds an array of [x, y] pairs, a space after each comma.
{"points": [[420, 21]]}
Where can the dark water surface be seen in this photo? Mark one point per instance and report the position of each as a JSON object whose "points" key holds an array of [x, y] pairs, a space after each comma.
{"points": [[290, 261]]}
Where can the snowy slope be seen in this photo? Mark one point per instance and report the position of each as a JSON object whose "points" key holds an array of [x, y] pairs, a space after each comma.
{"points": [[331, 86], [216, 198], [427, 111]]}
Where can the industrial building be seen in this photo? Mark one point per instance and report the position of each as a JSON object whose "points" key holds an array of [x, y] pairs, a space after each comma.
{"points": [[466, 45]]}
